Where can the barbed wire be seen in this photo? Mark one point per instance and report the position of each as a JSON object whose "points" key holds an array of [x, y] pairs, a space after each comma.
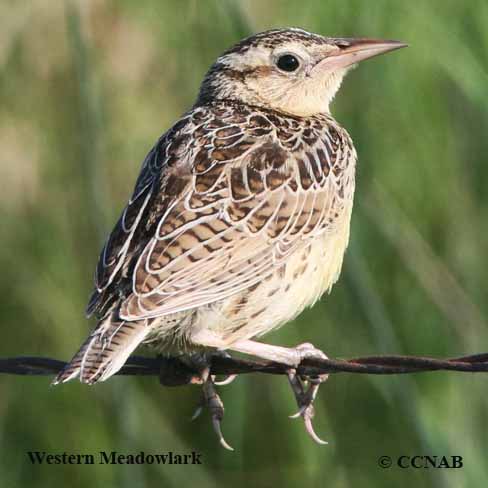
{"points": [[174, 372]]}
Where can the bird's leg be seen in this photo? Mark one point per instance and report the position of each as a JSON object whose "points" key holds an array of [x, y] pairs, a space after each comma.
{"points": [[293, 357], [290, 356], [210, 397]]}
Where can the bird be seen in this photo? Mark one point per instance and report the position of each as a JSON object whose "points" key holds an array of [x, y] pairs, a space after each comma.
{"points": [[239, 219]]}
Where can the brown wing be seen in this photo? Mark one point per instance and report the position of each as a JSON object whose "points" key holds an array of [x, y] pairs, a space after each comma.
{"points": [[249, 196], [129, 233]]}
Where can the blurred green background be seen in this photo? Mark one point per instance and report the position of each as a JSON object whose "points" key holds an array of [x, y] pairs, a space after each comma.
{"points": [[87, 87]]}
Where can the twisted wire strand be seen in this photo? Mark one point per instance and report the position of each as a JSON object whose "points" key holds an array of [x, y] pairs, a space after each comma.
{"points": [[172, 371]]}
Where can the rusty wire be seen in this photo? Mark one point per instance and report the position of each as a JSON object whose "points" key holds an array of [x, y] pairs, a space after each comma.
{"points": [[173, 372]]}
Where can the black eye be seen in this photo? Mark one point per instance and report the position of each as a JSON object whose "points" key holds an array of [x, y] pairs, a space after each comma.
{"points": [[288, 62]]}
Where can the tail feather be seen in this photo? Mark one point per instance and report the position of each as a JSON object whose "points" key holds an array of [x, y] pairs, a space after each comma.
{"points": [[105, 351]]}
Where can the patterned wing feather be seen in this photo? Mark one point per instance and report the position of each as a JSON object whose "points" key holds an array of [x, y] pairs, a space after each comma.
{"points": [[251, 196], [124, 240]]}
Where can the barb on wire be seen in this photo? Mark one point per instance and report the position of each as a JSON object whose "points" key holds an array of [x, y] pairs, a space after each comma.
{"points": [[173, 372]]}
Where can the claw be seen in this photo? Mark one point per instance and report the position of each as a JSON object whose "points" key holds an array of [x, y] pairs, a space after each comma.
{"points": [[211, 399], [197, 412], [299, 413], [218, 431], [227, 381], [230, 378], [306, 410], [311, 432], [305, 391]]}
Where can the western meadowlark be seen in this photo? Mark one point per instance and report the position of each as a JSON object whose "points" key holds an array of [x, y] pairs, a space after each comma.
{"points": [[240, 215]]}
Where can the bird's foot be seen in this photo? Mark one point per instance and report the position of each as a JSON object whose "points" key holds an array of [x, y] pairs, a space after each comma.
{"points": [[305, 389], [210, 399]]}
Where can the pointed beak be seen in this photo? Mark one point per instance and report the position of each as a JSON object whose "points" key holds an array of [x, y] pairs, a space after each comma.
{"points": [[351, 51]]}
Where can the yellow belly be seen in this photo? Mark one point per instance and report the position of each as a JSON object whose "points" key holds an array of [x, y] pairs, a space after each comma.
{"points": [[306, 276]]}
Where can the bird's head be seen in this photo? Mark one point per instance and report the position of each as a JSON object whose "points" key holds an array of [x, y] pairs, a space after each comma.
{"points": [[288, 70]]}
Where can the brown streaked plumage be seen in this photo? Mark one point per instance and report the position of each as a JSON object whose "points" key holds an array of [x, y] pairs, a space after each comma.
{"points": [[240, 216]]}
